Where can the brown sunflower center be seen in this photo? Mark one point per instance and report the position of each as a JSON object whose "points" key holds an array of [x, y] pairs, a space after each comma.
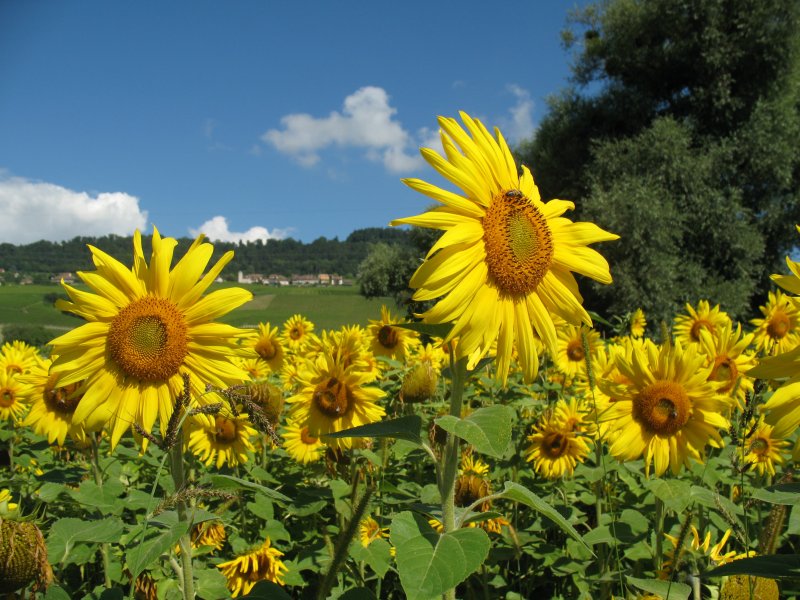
{"points": [[575, 351], [62, 399], [265, 348], [296, 332], [147, 339], [306, 437], [778, 325], [7, 397], [332, 397], [518, 243], [662, 408], [759, 446], [698, 326], [224, 430], [724, 371], [388, 337], [555, 444]]}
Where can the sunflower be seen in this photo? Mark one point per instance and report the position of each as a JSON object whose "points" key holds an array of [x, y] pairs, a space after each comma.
{"points": [[369, 530], [504, 264], [254, 367], [729, 360], [394, 342], [226, 442], [297, 331], [348, 347], [688, 326], [268, 346], [17, 357], [557, 444], [779, 330], [782, 409], [6, 505], [698, 551], [53, 406], [790, 283], [15, 396], [334, 398], [571, 356], [764, 450], [209, 533], [667, 411], [301, 446], [638, 323], [148, 326], [261, 564]]}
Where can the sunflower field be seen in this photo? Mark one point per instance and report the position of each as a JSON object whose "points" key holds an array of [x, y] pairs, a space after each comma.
{"points": [[507, 443]]}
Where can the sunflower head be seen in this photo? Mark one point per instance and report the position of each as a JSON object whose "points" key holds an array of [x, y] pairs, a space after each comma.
{"points": [[263, 563]]}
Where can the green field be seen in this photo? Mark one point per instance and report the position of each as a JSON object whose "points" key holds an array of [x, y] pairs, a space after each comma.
{"points": [[327, 308]]}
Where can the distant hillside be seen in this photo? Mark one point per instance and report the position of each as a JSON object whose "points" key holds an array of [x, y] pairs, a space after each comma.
{"points": [[284, 257]]}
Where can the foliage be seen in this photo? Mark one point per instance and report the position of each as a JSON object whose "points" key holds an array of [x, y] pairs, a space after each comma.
{"points": [[714, 85]]}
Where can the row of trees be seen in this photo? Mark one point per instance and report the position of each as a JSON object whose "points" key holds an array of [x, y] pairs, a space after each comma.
{"points": [[284, 257]]}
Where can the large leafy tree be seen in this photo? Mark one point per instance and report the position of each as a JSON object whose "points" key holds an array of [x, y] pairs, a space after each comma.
{"points": [[680, 132]]}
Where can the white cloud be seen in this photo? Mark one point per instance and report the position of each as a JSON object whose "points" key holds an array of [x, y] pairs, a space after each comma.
{"points": [[366, 121], [216, 229], [520, 125], [33, 211]]}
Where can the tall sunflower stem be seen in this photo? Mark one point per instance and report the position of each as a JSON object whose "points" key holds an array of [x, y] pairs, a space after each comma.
{"points": [[185, 544], [104, 547], [449, 466], [660, 517]]}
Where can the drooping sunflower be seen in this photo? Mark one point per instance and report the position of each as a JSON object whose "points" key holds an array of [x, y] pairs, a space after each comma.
{"points": [[387, 340], [779, 330], [209, 533], [730, 360], [369, 530], [15, 396], [268, 346], [53, 406], [667, 411], [688, 326], [244, 571], [638, 323], [334, 398], [504, 265], [764, 450], [148, 326], [700, 552], [301, 446], [226, 442], [17, 357], [571, 356], [297, 331]]}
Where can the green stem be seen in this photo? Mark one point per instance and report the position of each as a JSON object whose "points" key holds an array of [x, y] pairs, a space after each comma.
{"points": [[104, 547], [185, 544], [659, 532], [449, 465]]}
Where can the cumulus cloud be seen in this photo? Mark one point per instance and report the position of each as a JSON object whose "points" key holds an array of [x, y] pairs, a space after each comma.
{"points": [[366, 121], [216, 229], [520, 124], [33, 211]]}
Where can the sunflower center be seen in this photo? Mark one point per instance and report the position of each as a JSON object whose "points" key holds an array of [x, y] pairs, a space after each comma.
{"points": [[7, 397], [724, 371], [332, 397], [147, 339], [778, 325], [266, 349], [296, 333], [225, 430], [307, 438], [759, 446], [63, 399], [518, 243], [388, 337], [575, 351], [662, 407], [554, 444], [698, 326]]}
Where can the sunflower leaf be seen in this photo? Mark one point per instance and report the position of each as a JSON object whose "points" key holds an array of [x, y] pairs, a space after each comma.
{"points": [[487, 429], [774, 566], [405, 428], [519, 493], [229, 482], [430, 564], [266, 590], [64, 533], [669, 590]]}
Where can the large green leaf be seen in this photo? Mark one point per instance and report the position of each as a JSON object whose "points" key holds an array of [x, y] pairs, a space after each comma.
{"points": [[378, 555], [64, 533], [487, 429], [519, 493], [162, 535], [266, 590], [229, 482], [776, 496], [405, 428], [674, 493], [665, 589], [773, 566], [430, 564]]}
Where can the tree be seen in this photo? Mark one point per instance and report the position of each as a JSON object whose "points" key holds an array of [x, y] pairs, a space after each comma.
{"points": [[386, 271], [692, 107]]}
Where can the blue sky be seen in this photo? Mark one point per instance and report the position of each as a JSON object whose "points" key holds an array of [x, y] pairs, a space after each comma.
{"points": [[251, 119]]}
